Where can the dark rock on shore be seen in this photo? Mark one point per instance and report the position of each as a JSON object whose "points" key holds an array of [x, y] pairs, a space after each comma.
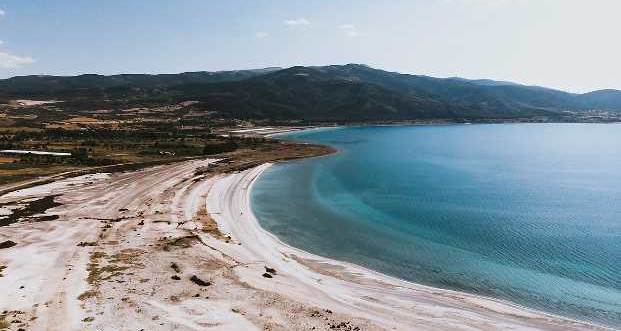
{"points": [[199, 281], [7, 244]]}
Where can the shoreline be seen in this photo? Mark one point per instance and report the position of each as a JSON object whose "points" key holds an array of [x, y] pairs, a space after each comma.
{"points": [[171, 248], [284, 135], [344, 287], [287, 132]]}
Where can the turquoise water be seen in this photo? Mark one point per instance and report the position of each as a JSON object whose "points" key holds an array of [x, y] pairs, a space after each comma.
{"points": [[529, 213]]}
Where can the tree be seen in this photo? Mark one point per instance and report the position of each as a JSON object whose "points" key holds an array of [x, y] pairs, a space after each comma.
{"points": [[80, 154]]}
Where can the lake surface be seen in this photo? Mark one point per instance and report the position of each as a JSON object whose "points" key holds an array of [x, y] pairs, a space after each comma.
{"points": [[529, 213]]}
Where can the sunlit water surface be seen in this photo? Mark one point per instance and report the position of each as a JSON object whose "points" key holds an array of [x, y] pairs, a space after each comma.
{"points": [[529, 213]]}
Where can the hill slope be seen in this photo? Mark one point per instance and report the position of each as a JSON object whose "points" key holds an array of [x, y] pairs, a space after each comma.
{"points": [[339, 92]]}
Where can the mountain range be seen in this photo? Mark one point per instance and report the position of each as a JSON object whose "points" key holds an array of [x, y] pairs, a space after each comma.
{"points": [[351, 92]]}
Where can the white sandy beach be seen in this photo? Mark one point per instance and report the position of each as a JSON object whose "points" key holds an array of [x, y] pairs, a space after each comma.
{"points": [[123, 251]]}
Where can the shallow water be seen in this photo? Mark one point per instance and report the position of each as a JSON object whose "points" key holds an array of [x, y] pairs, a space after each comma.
{"points": [[529, 213]]}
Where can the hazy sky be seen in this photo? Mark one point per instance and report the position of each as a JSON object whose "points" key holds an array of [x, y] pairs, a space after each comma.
{"points": [[567, 44]]}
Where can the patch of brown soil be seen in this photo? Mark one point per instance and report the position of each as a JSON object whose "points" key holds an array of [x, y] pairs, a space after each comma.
{"points": [[208, 224], [168, 244], [88, 294]]}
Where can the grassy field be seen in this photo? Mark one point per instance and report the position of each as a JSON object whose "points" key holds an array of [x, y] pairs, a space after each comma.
{"points": [[113, 133], [95, 148]]}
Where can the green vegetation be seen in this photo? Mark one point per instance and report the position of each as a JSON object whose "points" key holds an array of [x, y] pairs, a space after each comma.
{"points": [[132, 146], [101, 147], [150, 119], [349, 93]]}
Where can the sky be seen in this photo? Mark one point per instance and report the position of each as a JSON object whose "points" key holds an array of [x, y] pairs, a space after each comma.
{"points": [[573, 45]]}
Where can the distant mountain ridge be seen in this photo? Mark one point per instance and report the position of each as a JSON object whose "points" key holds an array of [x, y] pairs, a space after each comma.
{"points": [[351, 92], [39, 83]]}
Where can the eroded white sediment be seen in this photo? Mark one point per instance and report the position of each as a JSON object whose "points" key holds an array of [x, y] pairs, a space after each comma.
{"points": [[138, 223]]}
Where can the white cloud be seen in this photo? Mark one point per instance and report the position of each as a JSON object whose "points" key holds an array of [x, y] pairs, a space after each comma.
{"points": [[350, 30], [261, 34], [10, 61], [297, 21], [2, 13]]}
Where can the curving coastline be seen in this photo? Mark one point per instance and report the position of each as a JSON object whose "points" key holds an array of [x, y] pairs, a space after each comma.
{"points": [[352, 290], [140, 250]]}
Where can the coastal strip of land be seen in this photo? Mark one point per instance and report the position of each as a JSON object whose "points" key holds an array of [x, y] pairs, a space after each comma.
{"points": [[176, 246]]}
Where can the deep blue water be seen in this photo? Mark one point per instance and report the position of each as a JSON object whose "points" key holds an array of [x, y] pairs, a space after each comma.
{"points": [[529, 213]]}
